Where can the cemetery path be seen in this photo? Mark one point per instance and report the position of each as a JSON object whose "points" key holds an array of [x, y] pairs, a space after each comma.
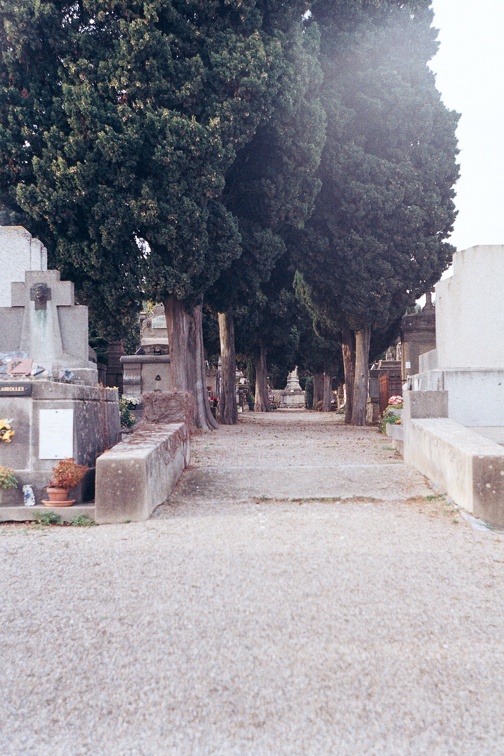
{"points": [[295, 455], [250, 618]]}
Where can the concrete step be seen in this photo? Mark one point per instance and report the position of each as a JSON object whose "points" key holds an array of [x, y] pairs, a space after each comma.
{"points": [[67, 514]]}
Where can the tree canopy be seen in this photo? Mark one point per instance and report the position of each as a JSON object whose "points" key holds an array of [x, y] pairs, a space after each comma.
{"points": [[168, 149], [376, 240]]}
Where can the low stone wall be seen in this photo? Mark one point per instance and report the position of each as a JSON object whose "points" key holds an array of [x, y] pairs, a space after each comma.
{"points": [[396, 435], [460, 462], [138, 474]]}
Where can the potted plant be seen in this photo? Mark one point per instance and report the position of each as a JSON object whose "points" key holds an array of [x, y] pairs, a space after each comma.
{"points": [[8, 486], [65, 475]]}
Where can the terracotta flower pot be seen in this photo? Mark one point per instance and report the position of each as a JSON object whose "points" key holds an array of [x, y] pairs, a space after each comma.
{"points": [[58, 497]]}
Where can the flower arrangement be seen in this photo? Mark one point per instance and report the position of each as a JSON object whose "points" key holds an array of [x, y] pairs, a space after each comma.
{"points": [[7, 478], [126, 404], [67, 473], [6, 431], [395, 401]]}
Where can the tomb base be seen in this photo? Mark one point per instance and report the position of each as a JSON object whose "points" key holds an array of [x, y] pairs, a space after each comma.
{"points": [[52, 421]]}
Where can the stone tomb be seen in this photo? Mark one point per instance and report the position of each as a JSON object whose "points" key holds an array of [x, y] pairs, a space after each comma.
{"points": [[148, 369], [52, 421], [55, 406], [453, 415]]}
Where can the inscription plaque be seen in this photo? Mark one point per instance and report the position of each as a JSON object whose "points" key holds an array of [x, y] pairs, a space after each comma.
{"points": [[12, 388], [56, 434]]}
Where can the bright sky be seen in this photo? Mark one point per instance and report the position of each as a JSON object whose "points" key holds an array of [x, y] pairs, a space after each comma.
{"points": [[469, 71]]}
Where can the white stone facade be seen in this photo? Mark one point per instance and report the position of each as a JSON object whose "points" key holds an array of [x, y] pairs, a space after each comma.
{"points": [[470, 310], [19, 252]]}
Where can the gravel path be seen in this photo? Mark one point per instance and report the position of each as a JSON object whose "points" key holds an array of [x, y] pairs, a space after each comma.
{"points": [[272, 612]]}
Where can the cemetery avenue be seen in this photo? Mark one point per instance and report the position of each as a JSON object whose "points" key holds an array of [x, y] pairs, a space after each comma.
{"points": [[302, 592]]}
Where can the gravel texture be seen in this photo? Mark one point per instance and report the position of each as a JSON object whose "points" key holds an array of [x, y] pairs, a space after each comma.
{"points": [[270, 612]]}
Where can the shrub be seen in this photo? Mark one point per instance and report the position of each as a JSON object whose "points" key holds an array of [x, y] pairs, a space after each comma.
{"points": [[7, 478], [67, 473]]}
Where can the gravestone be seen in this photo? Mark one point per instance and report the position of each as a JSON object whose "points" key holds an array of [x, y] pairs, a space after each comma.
{"points": [[153, 332], [45, 324], [418, 336], [48, 387]]}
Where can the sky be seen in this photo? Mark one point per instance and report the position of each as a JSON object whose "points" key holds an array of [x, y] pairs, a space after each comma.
{"points": [[469, 71]]}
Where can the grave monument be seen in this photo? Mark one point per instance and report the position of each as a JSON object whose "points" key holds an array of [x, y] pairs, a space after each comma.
{"points": [[293, 396], [48, 386], [148, 369], [453, 413]]}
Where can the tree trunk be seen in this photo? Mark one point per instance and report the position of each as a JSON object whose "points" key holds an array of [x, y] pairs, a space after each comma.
{"points": [[228, 411], [360, 395], [318, 389], [348, 351], [261, 384], [327, 398], [187, 358]]}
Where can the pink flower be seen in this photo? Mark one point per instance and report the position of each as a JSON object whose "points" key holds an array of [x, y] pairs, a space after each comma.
{"points": [[395, 400]]}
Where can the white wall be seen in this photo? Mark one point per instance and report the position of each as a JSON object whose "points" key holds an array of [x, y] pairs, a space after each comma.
{"points": [[18, 252], [470, 310]]}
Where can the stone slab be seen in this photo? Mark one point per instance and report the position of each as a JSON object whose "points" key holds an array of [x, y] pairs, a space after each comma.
{"points": [[28, 514], [419, 404], [475, 396], [138, 474], [461, 463]]}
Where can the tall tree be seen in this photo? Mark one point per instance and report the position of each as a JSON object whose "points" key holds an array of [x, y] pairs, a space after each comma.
{"points": [[270, 188], [376, 240], [118, 123]]}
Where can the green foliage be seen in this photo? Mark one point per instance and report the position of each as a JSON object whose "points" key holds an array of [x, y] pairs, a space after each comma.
{"points": [[126, 405], [389, 417], [376, 239], [47, 518], [83, 521], [270, 188], [7, 478], [118, 123]]}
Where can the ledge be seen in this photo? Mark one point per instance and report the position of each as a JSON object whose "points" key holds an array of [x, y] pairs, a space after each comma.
{"points": [[139, 474]]}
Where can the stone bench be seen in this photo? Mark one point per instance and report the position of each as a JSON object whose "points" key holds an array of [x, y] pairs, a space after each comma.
{"points": [[140, 472]]}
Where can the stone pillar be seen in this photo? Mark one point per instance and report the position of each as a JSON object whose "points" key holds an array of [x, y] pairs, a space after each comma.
{"points": [[114, 367]]}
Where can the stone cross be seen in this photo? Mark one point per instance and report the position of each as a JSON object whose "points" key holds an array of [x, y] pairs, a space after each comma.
{"points": [[40, 293]]}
